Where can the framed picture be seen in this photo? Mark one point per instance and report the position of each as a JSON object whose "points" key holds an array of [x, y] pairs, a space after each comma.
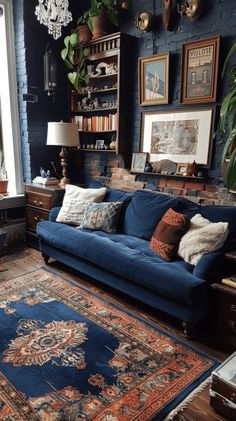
{"points": [[180, 135], [154, 79], [138, 161], [200, 60], [182, 169]]}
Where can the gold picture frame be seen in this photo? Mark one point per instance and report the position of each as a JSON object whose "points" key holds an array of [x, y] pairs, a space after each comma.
{"points": [[154, 79], [199, 74], [182, 168]]}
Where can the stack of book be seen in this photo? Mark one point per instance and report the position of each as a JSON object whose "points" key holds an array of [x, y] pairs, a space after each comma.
{"points": [[231, 281], [45, 181]]}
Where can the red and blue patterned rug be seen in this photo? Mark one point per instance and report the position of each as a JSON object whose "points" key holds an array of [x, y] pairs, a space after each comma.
{"points": [[66, 354]]}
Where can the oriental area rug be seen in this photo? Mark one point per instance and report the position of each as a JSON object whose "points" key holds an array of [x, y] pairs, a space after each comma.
{"points": [[66, 354]]}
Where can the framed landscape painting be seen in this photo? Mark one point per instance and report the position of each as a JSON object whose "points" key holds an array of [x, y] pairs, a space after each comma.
{"points": [[200, 60], [178, 135], [154, 79]]}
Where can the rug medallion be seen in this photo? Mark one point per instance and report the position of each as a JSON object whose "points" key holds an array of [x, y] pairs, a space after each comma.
{"points": [[66, 354]]}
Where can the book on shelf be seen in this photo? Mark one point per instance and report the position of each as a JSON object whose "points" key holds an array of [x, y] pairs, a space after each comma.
{"points": [[46, 181], [96, 122], [229, 281]]}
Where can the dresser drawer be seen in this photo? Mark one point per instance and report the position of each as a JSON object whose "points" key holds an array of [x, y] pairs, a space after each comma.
{"points": [[33, 216], [39, 200]]}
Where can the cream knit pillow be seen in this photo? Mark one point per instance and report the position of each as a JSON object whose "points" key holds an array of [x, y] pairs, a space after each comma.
{"points": [[202, 237], [73, 205]]}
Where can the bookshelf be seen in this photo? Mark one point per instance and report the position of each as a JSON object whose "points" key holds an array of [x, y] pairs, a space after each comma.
{"points": [[100, 109]]}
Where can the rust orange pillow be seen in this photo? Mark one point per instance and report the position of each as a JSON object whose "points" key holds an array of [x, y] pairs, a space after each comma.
{"points": [[168, 233]]}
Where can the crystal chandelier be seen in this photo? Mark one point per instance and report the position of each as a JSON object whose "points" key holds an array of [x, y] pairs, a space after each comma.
{"points": [[54, 14]]}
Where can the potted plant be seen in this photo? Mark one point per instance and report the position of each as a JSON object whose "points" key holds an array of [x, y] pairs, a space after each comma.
{"points": [[102, 17], [3, 174], [227, 124], [77, 73], [83, 31]]}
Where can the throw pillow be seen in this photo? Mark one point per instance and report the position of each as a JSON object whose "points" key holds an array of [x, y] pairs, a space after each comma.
{"points": [[101, 216], [202, 237], [72, 209], [168, 233]]}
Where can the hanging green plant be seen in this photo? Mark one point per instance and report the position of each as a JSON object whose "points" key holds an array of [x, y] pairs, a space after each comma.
{"points": [[77, 74], [227, 123]]}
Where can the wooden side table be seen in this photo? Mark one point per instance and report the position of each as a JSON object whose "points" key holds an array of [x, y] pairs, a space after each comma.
{"points": [[226, 323], [39, 200]]}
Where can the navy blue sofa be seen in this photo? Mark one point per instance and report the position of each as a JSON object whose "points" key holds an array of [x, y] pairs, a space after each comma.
{"points": [[125, 262]]}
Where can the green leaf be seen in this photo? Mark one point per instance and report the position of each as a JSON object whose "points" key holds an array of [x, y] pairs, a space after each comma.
{"points": [[93, 12], [228, 144], [231, 52], [112, 17], [94, 4], [90, 25], [71, 55], [74, 40], [73, 78], [67, 40], [231, 171], [85, 52]]}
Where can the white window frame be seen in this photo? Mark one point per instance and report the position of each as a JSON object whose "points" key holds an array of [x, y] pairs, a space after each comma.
{"points": [[9, 102]]}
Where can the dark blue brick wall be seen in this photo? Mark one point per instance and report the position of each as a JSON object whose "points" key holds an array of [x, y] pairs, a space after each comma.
{"points": [[31, 38]]}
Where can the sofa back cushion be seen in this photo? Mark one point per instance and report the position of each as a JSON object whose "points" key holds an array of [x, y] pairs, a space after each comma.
{"points": [[219, 213], [145, 211]]}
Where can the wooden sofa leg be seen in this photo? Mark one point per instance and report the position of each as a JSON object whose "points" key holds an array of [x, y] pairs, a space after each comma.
{"points": [[188, 330], [45, 258]]}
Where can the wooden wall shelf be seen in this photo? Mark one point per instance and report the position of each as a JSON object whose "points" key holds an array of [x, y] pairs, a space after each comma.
{"points": [[154, 174]]}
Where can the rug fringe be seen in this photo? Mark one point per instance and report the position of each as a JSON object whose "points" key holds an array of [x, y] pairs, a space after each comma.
{"points": [[184, 404]]}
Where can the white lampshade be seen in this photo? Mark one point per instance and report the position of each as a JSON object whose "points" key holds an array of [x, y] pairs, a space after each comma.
{"points": [[62, 134]]}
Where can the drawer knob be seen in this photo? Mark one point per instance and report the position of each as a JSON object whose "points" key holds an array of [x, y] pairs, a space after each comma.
{"points": [[233, 307], [37, 219], [38, 203]]}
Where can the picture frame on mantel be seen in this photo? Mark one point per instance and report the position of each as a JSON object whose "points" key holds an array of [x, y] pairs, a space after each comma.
{"points": [[138, 161], [154, 79], [199, 73], [179, 135]]}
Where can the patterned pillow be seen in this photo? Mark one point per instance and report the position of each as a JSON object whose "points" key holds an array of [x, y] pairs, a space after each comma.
{"points": [[72, 209], [101, 216], [166, 238]]}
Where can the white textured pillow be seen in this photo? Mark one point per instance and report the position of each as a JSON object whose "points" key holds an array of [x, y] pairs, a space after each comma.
{"points": [[72, 209], [202, 237]]}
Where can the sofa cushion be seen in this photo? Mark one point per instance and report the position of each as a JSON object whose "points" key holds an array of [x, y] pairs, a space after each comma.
{"points": [[219, 213], [101, 216], [167, 235], [74, 200], [145, 211], [133, 260], [202, 237]]}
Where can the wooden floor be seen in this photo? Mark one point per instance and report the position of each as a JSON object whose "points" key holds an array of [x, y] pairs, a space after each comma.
{"points": [[29, 259]]}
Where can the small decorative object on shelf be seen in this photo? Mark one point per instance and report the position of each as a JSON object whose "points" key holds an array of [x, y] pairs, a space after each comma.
{"points": [[148, 167], [192, 169]]}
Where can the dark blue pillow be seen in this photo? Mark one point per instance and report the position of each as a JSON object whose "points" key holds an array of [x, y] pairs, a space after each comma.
{"points": [[115, 195], [188, 207], [145, 211], [219, 213]]}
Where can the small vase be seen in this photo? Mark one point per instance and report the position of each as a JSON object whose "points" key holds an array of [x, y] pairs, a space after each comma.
{"points": [[3, 186]]}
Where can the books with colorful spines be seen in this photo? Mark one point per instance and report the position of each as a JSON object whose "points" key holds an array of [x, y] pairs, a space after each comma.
{"points": [[229, 281]]}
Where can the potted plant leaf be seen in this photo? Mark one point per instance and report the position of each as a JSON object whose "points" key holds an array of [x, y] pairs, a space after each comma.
{"points": [[77, 73], [227, 123], [103, 16], [3, 174]]}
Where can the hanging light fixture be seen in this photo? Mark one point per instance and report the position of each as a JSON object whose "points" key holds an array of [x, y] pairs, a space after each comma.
{"points": [[54, 14]]}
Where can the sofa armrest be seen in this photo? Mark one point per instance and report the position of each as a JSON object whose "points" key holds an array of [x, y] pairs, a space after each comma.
{"points": [[213, 267], [53, 214]]}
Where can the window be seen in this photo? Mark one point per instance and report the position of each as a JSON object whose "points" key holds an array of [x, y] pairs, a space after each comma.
{"points": [[9, 101]]}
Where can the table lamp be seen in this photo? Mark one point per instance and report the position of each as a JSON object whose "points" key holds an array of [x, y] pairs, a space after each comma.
{"points": [[64, 135]]}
